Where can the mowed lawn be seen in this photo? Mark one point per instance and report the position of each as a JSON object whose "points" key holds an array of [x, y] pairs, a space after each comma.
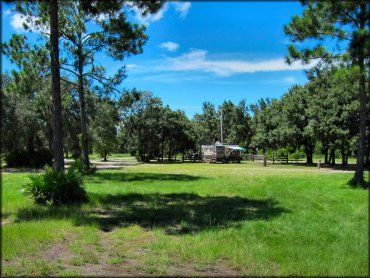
{"points": [[192, 219]]}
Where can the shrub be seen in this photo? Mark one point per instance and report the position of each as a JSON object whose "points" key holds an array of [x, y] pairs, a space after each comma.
{"points": [[37, 158], [81, 168], [57, 188]]}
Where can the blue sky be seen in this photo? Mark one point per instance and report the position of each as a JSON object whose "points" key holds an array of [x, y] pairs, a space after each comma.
{"points": [[205, 51]]}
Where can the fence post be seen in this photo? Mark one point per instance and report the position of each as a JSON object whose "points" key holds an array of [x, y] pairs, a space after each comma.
{"points": [[319, 164], [287, 158], [264, 160], [252, 157], [273, 159]]}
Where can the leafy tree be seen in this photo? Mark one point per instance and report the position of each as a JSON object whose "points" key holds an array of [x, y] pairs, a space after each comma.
{"points": [[265, 124], [294, 126], [154, 130], [22, 103], [103, 127], [112, 34], [236, 123], [332, 106], [49, 11], [258, 123], [346, 24], [208, 124], [228, 121], [176, 133], [141, 117]]}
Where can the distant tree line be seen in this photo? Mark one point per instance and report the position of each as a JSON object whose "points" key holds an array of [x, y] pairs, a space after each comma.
{"points": [[320, 118]]}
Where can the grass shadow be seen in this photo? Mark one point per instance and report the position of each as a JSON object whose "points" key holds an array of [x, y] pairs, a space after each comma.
{"points": [[338, 167], [175, 213], [131, 177]]}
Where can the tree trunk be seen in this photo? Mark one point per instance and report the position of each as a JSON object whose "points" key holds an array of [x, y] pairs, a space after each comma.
{"points": [[55, 84], [359, 173], [162, 149], [343, 154], [368, 120], [325, 153], [332, 156], [169, 151], [83, 117], [105, 155], [49, 134], [309, 153], [30, 143]]}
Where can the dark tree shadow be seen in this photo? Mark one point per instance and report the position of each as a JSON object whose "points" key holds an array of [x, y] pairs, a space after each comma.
{"points": [[337, 167], [129, 177], [176, 213]]}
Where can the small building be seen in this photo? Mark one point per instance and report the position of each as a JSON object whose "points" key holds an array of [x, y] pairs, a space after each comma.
{"points": [[222, 153]]}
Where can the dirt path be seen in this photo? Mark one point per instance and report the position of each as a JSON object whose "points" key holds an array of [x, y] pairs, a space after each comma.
{"points": [[107, 164], [120, 164], [132, 265]]}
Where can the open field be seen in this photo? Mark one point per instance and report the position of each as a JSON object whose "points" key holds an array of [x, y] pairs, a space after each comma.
{"points": [[192, 219]]}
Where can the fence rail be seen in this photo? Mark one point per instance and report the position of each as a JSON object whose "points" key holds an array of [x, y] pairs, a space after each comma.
{"points": [[194, 158], [273, 158]]}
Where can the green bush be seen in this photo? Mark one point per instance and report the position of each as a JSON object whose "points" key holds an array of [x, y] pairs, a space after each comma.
{"points": [[57, 188], [281, 152], [81, 168], [37, 158], [299, 153]]}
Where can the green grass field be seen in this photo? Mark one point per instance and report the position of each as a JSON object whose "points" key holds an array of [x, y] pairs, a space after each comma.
{"points": [[192, 219]]}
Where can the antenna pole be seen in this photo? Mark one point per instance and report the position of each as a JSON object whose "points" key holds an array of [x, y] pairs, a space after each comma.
{"points": [[222, 140]]}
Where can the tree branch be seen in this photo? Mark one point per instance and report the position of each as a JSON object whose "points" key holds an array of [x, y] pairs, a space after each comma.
{"points": [[69, 70], [67, 81], [101, 82]]}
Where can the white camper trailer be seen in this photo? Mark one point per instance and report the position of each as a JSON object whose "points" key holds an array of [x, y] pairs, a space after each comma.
{"points": [[222, 153]]}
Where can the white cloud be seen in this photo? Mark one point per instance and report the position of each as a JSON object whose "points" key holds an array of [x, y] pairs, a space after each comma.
{"points": [[182, 8], [18, 19], [132, 66], [7, 12], [169, 46], [197, 60], [149, 18], [290, 80], [102, 17], [17, 22]]}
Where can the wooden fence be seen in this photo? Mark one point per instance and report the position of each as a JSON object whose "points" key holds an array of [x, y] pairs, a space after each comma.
{"points": [[192, 158], [272, 159]]}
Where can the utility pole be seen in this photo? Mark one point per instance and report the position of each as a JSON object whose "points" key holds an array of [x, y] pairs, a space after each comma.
{"points": [[222, 139]]}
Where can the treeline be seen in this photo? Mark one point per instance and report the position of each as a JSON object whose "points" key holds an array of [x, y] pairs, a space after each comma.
{"points": [[150, 130], [319, 118], [65, 62], [26, 131]]}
